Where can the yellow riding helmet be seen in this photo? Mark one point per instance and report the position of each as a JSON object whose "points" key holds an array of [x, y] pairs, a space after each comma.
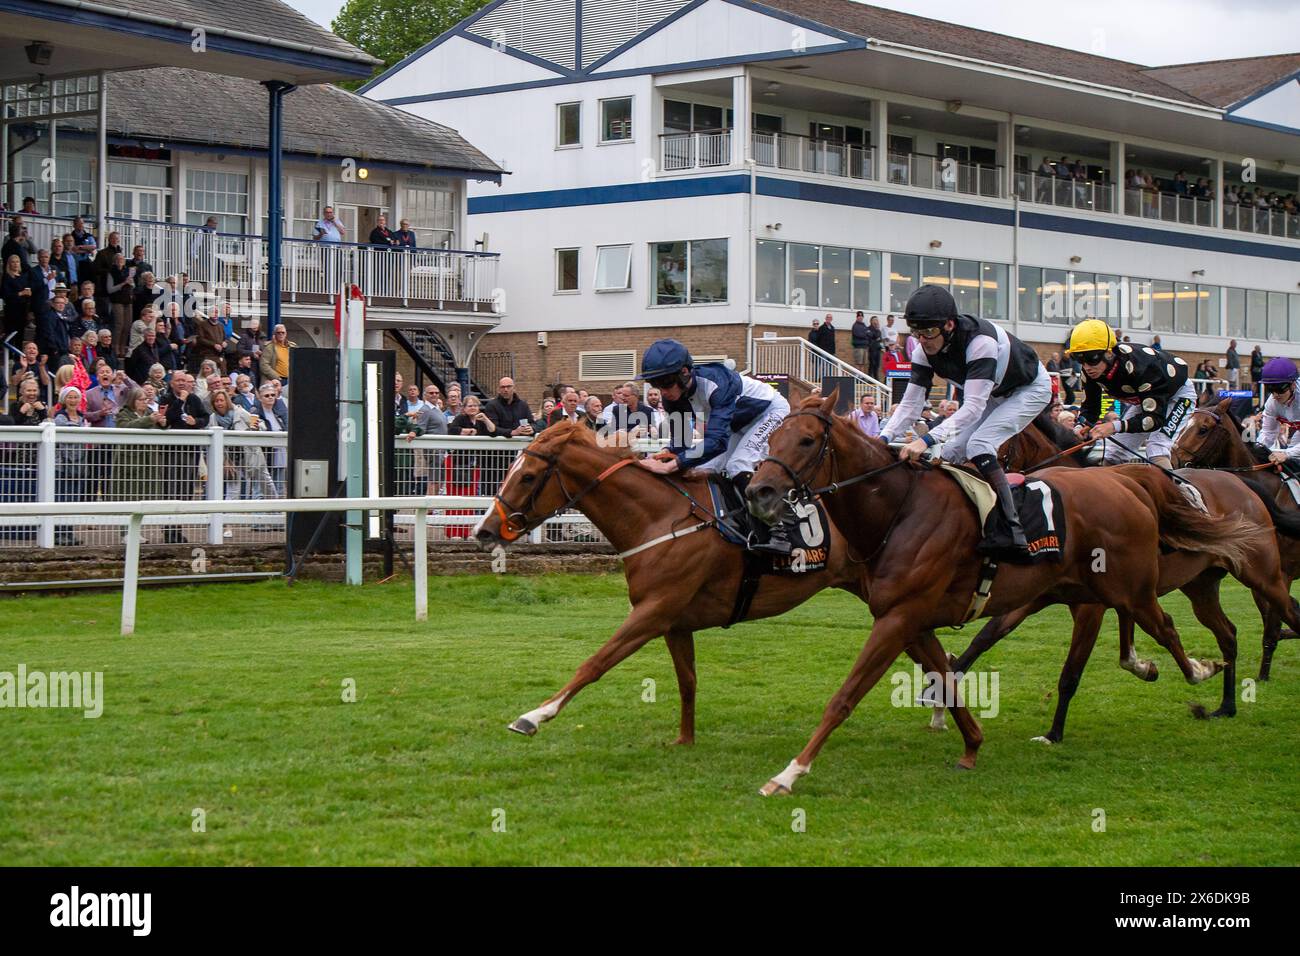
{"points": [[1091, 335]]}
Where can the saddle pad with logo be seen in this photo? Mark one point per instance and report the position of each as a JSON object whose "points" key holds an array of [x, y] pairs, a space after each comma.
{"points": [[1042, 516], [809, 535]]}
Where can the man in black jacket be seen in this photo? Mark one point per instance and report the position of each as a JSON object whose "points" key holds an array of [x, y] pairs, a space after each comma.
{"points": [[824, 336], [858, 334], [508, 411], [185, 412], [146, 355]]}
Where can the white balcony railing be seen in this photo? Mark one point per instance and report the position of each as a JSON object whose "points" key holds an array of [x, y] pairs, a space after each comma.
{"points": [[947, 174], [1169, 207], [698, 150], [798, 358], [1266, 222], [232, 263], [1069, 193], [803, 154]]}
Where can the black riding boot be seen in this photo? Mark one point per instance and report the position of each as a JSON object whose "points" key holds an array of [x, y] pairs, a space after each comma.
{"points": [[778, 535], [992, 472]]}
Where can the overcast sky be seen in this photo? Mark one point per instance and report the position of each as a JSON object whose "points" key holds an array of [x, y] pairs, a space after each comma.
{"points": [[1151, 32]]}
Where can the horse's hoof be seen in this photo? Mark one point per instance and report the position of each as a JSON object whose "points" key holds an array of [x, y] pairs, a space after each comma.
{"points": [[522, 726], [1224, 712], [684, 741], [774, 789], [1041, 739], [962, 765], [1152, 674]]}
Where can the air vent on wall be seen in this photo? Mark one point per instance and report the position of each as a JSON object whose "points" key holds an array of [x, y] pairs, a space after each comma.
{"points": [[613, 365]]}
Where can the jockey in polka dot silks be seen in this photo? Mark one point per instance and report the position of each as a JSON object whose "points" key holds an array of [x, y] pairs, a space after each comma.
{"points": [[1282, 408], [1152, 384]]}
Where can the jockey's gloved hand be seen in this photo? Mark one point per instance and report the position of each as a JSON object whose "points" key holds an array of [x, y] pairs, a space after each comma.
{"points": [[887, 438]]}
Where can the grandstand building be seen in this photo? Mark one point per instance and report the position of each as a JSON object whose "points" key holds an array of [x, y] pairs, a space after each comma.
{"points": [[725, 170]]}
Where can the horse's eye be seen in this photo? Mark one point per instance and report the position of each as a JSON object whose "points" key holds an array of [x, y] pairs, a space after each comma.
{"points": [[527, 479], [806, 442]]}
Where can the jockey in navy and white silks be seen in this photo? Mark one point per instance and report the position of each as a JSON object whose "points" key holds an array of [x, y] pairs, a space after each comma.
{"points": [[1004, 387], [1282, 408], [738, 412]]}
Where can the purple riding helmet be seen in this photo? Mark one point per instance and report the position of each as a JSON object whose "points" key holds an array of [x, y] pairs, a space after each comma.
{"points": [[1279, 373]]}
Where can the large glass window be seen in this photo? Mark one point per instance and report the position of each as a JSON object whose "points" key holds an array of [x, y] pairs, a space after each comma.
{"points": [[1056, 297], [613, 268], [935, 271], [1256, 314], [1295, 317], [866, 280], [902, 280], [769, 266], [209, 192], [306, 208], [1162, 302], [804, 267], [1083, 288], [1108, 302], [432, 212], [1277, 316], [1029, 293], [1236, 313], [1140, 306], [836, 277], [993, 291], [568, 124], [616, 120], [1208, 321], [690, 273], [966, 286], [566, 270]]}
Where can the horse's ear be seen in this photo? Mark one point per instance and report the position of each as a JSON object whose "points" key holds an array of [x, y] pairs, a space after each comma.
{"points": [[1224, 406], [831, 400]]}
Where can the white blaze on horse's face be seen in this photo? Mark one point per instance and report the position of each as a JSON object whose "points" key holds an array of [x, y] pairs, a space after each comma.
{"points": [[514, 467]]}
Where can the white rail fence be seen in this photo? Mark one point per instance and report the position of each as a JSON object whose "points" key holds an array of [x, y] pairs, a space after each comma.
{"points": [[798, 358], [50, 465]]}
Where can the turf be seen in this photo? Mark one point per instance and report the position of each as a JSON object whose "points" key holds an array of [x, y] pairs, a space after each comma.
{"points": [[229, 700]]}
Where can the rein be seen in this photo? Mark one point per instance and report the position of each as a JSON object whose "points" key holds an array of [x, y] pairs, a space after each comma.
{"points": [[1059, 455], [511, 531], [1250, 469]]}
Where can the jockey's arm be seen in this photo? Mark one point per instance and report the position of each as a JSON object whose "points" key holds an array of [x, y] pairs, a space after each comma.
{"points": [[1269, 426], [975, 399], [905, 412]]}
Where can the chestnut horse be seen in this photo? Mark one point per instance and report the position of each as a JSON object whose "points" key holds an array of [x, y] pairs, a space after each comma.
{"points": [[676, 585], [1212, 440], [1197, 575], [919, 536]]}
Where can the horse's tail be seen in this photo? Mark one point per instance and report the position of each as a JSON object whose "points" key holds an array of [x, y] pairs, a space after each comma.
{"points": [[1286, 522], [1184, 527]]}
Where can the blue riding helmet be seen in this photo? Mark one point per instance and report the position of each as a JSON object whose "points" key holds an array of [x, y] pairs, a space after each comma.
{"points": [[664, 357]]}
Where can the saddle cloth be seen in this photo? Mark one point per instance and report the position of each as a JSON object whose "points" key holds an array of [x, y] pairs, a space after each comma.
{"points": [[1042, 515], [809, 535]]}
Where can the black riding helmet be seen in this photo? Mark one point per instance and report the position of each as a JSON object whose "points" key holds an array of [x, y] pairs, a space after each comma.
{"points": [[929, 307]]}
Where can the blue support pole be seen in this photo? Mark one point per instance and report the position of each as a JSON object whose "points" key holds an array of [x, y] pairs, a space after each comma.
{"points": [[275, 201]]}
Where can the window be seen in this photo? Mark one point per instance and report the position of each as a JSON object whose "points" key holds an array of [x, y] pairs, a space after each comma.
{"points": [[993, 291], [306, 208], [616, 120], [866, 280], [903, 271], [1186, 299], [836, 275], [769, 267], [1162, 301], [1207, 310], [1139, 303], [935, 271], [432, 212], [221, 194], [568, 124], [613, 268], [1277, 316], [690, 273], [1030, 293], [1295, 317], [566, 270], [1109, 303], [1083, 302], [1256, 314], [766, 123], [966, 286], [1236, 313], [1056, 300], [683, 117], [805, 263]]}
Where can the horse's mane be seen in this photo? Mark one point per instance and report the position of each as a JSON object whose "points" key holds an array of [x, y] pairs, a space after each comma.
{"points": [[578, 433]]}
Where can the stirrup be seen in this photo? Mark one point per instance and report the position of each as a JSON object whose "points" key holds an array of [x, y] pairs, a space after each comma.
{"points": [[777, 543]]}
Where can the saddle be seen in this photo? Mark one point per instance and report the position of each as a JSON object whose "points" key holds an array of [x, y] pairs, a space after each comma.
{"points": [[735, 524], [1038, 503]]}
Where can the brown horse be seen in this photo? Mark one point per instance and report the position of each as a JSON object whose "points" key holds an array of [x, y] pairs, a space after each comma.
{"points": [[1212, 440], [919, 536], [1196, 574], [677, 585]]}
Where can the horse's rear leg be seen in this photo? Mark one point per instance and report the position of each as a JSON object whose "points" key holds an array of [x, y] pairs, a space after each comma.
{"points": [[1152, 619], [1272, 633], [992, 632], [1203, 591], [647, 621], [936, 660], [681, 645], [1087, 625], [1128, 660]]}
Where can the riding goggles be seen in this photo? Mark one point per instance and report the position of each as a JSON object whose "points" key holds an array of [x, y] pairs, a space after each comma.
{"points": [[1091, 358], [1277, 388]]}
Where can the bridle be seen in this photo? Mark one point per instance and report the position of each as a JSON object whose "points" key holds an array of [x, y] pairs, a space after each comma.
{"points": [[508, 513], [799, 490], [1195, 459]]}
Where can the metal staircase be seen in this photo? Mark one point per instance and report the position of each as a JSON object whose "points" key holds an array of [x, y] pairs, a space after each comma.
{"points": [[804, 362], [431, 354]]}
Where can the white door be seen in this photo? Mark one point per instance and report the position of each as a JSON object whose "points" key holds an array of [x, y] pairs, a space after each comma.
{"points": [[348, 216], [128, 202]]}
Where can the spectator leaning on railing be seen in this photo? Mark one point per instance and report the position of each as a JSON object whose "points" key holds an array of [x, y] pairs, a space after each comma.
{"points": [[509, 413]]}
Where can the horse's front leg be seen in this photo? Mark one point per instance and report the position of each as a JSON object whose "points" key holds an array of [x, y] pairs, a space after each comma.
{"points": [[889, 636], [681, 645], [647, 621]]}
